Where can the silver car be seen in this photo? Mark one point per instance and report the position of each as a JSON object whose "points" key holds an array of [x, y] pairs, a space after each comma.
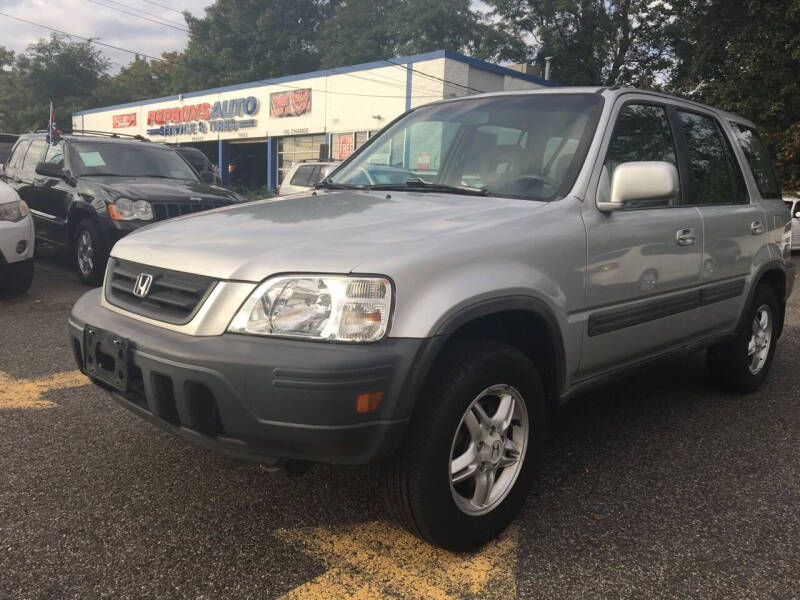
{"points": [[793, 204], [477, 264]]}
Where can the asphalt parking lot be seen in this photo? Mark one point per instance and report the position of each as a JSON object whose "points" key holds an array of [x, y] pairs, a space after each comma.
{"points": [[657, 487]]}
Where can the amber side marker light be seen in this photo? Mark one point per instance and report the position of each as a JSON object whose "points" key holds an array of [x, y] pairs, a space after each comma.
{"points": [[368, 402]]}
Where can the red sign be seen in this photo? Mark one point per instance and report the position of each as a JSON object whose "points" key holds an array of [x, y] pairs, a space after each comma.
{"points": [[126, 120], [290, 104], [424, 161], [179, 114], [346, 147]]}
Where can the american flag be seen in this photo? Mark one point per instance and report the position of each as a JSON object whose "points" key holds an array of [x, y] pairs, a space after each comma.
{"points": [[52, 130]]}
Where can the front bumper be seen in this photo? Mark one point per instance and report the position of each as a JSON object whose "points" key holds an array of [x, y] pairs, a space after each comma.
{"points": [[11, 234], [265, 399]]}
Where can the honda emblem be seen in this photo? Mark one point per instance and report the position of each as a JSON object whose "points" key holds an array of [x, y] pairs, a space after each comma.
{"points": [[142, 286]]}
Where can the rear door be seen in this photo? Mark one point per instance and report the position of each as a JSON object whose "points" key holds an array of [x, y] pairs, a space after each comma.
{"points": [[735, 228], [643, 261]]}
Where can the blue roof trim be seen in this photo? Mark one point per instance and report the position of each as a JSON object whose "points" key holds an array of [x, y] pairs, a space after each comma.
{"points": [[401, 61]]}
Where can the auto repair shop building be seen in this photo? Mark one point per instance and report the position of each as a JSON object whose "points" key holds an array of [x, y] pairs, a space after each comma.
{"points": [[256, 131]]}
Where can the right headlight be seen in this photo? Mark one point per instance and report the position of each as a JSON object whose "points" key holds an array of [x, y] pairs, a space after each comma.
{"points": [[320, 307]]}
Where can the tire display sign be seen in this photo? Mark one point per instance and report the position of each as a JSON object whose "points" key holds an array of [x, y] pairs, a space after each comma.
{"points": [[126, 120], [345, 146], [290, 104]]}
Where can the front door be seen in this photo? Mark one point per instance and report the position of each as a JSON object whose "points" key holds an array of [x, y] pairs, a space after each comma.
{"points": [[51, 197], [644, 261]]}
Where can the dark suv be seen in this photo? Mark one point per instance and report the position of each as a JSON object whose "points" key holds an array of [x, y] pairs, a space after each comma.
{"points": [[87, 191]]}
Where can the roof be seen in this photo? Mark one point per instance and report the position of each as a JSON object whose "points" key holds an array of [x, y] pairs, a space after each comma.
{"points": [[402, 61]]}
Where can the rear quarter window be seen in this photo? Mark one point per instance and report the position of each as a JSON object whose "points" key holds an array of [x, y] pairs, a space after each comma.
{"points": [[757, 158]]}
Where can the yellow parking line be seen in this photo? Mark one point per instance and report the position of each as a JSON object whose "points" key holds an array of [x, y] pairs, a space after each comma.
{"points": [[378, 560], [27, 393]]}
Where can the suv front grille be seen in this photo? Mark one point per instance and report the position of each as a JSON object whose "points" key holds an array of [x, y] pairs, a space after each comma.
{"points": [[167, 210], [173, 297]]}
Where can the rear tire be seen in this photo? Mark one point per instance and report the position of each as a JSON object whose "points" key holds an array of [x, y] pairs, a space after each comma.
{"points": [[18, 277], [89, 253], [462, 475], [743, 364]]}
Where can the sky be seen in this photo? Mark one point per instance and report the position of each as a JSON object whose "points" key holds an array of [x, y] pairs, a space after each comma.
{"points": [[121, 23]]}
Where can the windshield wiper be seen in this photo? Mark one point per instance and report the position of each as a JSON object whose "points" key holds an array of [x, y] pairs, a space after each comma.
{"points": [[104, 175], [330, 185], [418, 184]]}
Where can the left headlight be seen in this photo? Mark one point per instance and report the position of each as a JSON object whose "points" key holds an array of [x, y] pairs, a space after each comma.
{"points": [[320, 307], [125, 209], [13, 211]]}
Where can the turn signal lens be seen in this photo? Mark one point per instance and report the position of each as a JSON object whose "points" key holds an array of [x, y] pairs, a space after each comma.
{"points": [[368, 402]]}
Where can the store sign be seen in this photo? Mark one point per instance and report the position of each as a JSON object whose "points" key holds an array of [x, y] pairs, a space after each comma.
{"points": [[290, 104], [126, 120], [197, 119], [345, 147]]}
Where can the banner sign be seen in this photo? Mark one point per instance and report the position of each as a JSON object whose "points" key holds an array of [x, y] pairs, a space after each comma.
{"points": [[290, 104], [345, 147], [194, 119], [126, 120]]}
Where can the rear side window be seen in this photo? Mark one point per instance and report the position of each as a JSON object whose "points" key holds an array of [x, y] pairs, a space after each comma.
{"points": [[716, 176], [757, 158], [303, 175], [32, 157], [15, 160]]}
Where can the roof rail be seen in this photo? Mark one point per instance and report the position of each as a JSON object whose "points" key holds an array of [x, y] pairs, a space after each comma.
{"points": [[97, 133]]}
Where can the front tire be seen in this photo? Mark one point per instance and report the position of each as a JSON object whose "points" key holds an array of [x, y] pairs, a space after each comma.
{"points": [[472, 448], [18, 277], [742, 364], [89, 253]]}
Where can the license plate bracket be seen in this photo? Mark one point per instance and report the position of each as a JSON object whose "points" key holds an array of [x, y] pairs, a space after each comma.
{"points": [[106, 357]]}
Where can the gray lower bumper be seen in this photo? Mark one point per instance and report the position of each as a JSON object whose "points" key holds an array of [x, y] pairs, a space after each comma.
{"points": [[265, 399]]}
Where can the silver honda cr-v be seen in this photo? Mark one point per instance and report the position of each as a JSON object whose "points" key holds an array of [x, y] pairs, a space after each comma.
{"points": [[472, 267]]}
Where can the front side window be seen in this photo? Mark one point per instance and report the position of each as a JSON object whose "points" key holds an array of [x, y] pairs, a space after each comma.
{"points": [[641, 133], [55, 155], [128, 160], [756, 155], [520, 146], [716, 176]]}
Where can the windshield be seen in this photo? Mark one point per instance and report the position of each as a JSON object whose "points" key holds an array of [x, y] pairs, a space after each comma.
{"points": [[129, 160], [524, 146]]}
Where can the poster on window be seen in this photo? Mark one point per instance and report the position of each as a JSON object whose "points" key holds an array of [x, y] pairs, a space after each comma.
{"points": [[345, 147], [290, 104]]}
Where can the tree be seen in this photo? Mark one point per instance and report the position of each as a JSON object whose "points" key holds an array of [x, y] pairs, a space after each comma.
{"points": [[55, 69], [364, 30], [593, 42], [248, 40], [744, 56]]}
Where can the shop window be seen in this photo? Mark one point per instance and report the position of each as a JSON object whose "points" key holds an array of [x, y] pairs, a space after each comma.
{"points": [[292, 150]]}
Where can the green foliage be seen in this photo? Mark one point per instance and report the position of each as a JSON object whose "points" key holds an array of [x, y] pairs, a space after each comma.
{"points": [[70, 74], [249, 40], [744, 56], [593, 42]]}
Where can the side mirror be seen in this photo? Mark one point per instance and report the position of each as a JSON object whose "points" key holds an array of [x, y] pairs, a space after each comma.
{"points": [[647, 180], [48, 170], [208, 177]]}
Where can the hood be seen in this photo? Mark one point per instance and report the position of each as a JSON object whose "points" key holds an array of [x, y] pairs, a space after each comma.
{"points": [[7, 193], [162, 190], [328, 232]]}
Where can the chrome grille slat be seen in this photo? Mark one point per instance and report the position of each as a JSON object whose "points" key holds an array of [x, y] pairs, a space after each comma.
{"points": [[168, 210], [174, 296]]}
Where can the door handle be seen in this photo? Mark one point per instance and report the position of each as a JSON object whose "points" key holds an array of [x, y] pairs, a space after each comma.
{"points": [[757, 228], [685, 237]]}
